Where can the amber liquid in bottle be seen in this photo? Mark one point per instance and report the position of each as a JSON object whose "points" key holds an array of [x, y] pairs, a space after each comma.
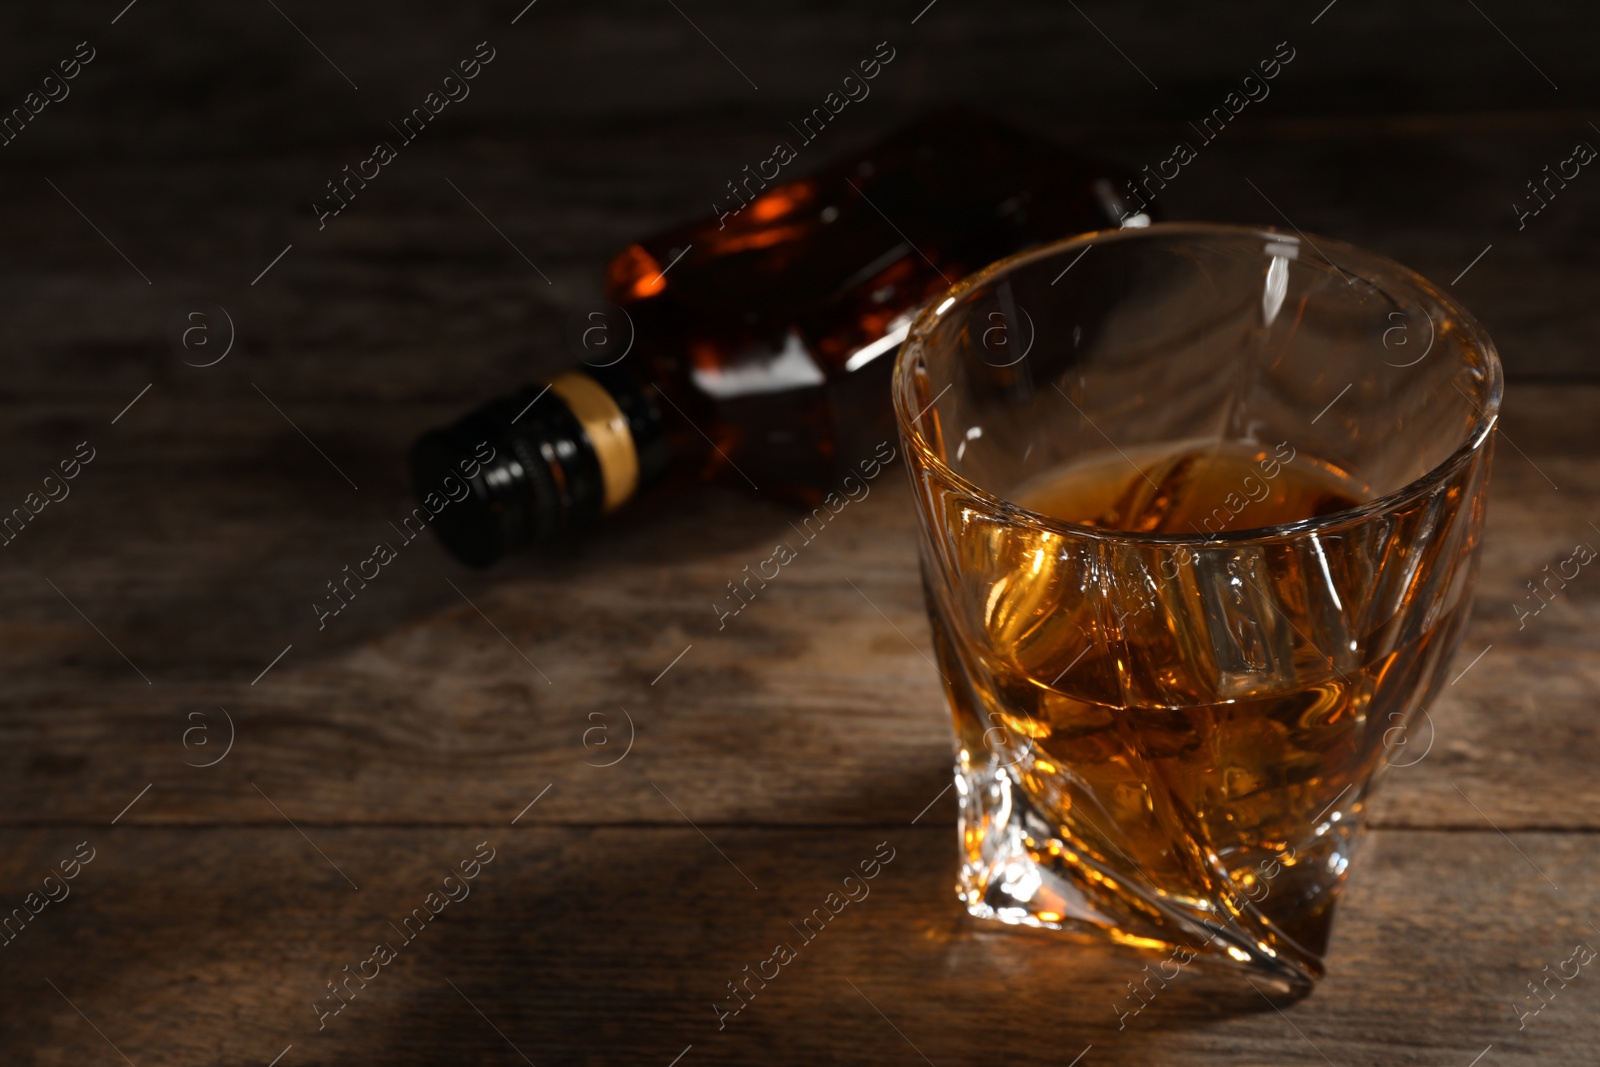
{"points": [[1149, 757], [770, 330], [755, 345]]}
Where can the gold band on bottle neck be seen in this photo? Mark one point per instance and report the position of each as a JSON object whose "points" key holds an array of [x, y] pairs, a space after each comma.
{"points": [[607, 428]]}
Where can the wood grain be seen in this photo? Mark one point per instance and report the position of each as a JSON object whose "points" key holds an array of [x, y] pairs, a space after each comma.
{"points": [[609, 945], [815, 705], [429, 714]]}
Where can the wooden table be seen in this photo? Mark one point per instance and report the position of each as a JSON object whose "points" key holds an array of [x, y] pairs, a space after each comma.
{"points": [[165, 605]]}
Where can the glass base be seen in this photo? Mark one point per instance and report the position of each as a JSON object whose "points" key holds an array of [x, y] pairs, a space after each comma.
{"points": [[1020, 869]]}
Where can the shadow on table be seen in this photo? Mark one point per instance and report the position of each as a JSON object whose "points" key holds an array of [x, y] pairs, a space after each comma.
{"points": [[619, 946]]}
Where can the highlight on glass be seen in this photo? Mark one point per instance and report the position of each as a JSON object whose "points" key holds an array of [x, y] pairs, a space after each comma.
{"points": [[1200, 511]]}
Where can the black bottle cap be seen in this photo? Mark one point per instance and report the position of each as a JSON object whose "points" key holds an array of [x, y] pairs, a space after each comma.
{"points": [[539, 465]]}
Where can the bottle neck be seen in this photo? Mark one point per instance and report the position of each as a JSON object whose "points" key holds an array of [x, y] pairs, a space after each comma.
{"points": [[559, 456], [609, 436]]}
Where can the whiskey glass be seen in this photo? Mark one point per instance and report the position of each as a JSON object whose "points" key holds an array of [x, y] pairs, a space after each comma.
{"points": [[1200, 508]]}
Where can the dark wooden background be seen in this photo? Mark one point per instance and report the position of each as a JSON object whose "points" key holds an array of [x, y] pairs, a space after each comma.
{"points": [[426, 717]]}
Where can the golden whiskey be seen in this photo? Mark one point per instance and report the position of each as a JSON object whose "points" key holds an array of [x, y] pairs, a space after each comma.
{"points": [[1188, 722]]}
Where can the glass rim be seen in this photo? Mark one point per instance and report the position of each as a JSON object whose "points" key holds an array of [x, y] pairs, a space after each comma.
{"points": [[1477, 340]]}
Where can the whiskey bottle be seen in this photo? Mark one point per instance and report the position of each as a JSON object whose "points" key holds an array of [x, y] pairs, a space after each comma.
{"points": [[759, 339]]}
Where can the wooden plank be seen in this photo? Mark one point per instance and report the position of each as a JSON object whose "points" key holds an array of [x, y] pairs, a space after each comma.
{"points": [[264, 86], [199, 537], [610, 945], [469, 316]]}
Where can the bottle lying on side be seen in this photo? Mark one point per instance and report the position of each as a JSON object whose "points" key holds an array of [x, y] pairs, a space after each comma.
{"points": [[756, 344]]}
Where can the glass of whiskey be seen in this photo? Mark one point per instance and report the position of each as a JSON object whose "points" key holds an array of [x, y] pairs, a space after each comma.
{"points": [[1200, 510]]}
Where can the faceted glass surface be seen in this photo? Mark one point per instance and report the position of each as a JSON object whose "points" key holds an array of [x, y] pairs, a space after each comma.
{"points": [[1200, 510]]}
